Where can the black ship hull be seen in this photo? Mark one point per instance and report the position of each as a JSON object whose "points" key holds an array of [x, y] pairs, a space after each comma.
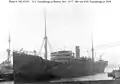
{"points": [[34, 68]]}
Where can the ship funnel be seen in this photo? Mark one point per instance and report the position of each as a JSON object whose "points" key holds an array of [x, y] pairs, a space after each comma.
{"points": [[77, 52]]}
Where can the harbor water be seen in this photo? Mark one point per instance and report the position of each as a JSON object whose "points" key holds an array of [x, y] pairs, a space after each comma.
{"points": [[7, 82], [100, 76]]}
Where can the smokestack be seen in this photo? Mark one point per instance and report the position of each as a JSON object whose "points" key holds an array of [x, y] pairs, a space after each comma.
{"points": [[77, 52]]}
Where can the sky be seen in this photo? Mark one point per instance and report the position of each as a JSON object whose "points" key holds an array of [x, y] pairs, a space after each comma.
{"points": [[68, 25]]}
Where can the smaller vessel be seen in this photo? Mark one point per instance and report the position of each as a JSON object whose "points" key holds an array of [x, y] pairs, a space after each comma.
{"points": [[115, 74], [6, 67]]}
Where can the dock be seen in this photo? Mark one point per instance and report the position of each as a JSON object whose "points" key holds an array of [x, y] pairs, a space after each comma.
{"points": [[78, 82], [1, 80]]}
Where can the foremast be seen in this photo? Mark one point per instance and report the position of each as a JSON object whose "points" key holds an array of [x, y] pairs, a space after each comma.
{"points": [[45, 38]]}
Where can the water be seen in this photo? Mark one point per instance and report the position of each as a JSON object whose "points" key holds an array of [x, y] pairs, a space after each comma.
{"points": [[9, 82], [100, 76]]}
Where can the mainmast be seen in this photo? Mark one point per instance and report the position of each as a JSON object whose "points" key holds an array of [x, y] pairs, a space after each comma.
{"points": [[45, 38], [92, 47]]}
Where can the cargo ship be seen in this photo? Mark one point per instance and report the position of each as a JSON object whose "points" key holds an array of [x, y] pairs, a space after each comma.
{"points": [[63, 64]]}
